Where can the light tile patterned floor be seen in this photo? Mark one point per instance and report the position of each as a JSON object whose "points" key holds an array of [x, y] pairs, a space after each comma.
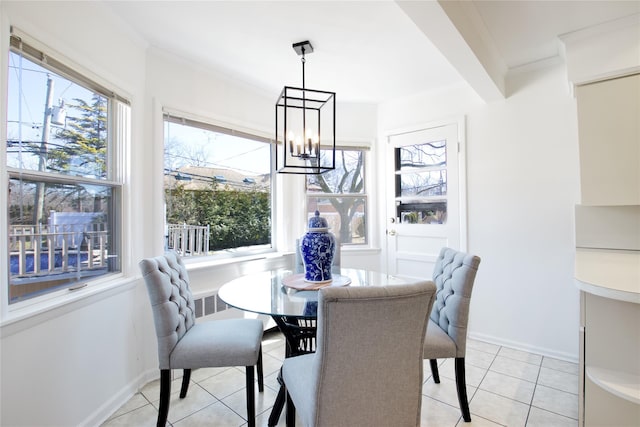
{"points": [[506, 387]]}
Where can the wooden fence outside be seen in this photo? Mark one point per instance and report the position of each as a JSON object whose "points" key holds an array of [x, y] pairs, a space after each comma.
{"points": [[42, 250], [188, 240]]}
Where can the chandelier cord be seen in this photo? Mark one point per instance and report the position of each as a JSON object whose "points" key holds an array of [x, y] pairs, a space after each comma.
{"points": [[304, 103], [303, 61]]}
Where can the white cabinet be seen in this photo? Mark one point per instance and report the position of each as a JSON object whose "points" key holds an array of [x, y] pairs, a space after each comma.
{"points": [[610, 345], [609, 141], [608, 222]]}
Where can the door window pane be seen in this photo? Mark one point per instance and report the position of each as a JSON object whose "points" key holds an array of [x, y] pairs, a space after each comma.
{"points": [[421, 183], [422, 155], [425, 184], [423, 213]]}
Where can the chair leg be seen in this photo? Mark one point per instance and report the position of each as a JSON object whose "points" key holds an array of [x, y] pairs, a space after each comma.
{"points": [[434, 370], [165, 394], [291, 412], [251, 401], [259, 369], [461, 385], [186, 377], [278, 405]]}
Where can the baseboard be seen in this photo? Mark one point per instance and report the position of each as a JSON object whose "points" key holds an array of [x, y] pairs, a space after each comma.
{"points": [[517, 345], [104, 412]]}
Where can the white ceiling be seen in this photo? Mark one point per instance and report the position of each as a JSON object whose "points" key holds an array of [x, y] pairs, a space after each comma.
{"points": [[365, 51]]}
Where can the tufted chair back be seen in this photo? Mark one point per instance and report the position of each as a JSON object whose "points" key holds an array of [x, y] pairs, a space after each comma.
{"points": [[171, 300], [454, 274], [367, 369]]}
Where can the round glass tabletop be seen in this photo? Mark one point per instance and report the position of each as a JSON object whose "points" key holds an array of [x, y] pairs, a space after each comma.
{"points": [[274, 292]]}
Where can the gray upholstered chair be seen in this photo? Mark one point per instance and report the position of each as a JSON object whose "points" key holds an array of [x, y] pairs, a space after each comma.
{"points": [[362, 330], [185, 344], [453, 274]]}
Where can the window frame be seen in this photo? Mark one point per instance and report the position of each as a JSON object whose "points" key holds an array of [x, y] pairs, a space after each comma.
{"points": [[183, 118], [118, 127]]}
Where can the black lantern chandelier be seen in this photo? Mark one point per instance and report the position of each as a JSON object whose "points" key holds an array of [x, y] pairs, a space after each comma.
{"points": [[305, 126]]}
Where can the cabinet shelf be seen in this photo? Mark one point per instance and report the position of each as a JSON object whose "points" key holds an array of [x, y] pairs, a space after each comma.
{"points": [[611, 274], [621, 384]]}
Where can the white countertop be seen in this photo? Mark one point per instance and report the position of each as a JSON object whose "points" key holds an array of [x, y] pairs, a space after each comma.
{"points": [[609, 273]]}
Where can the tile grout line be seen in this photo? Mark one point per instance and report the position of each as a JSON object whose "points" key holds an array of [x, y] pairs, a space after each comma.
{"points": [[480, 383], [535, 387]]}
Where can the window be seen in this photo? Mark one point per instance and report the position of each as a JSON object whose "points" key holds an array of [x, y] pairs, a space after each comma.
{"points": [[217, 185], [339, 195], [421, 183], [63, 134]]}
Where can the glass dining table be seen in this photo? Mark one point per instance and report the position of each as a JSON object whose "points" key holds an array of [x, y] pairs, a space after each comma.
{"points": [[292, 303]]}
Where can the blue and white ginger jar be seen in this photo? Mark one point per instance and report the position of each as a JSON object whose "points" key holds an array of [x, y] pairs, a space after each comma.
{"points": [[317, 246]]}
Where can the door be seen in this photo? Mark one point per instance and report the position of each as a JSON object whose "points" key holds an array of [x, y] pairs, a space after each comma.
{"points": [[424, 193]]}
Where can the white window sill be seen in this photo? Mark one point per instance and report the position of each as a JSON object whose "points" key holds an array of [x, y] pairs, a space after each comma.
{"points": [[360, 250], [198, 263], [27, 314]]}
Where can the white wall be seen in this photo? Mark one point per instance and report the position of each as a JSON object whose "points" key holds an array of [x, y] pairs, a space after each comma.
{"points": [[73, 366], [522, 181], [74, 361]]}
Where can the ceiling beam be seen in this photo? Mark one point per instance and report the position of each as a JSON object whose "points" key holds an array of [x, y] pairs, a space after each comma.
{"points": [[456, 29]]}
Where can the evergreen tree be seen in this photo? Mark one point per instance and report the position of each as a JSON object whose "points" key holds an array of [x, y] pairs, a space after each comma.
{"points": [[82, 149], [236, 217]]}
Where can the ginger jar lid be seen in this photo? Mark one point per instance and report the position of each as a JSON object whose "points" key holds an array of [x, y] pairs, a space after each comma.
{"points": [[318, 223]]}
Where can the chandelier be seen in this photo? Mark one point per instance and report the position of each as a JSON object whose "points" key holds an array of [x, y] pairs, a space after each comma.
{"points": [[305, 126]]}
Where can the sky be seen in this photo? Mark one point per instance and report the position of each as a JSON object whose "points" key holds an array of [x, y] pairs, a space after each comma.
{"points": [[191, 146], [26, 103]]}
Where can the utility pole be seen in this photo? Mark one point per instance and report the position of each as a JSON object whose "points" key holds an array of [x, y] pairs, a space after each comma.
{"points": [[42, 164]]}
